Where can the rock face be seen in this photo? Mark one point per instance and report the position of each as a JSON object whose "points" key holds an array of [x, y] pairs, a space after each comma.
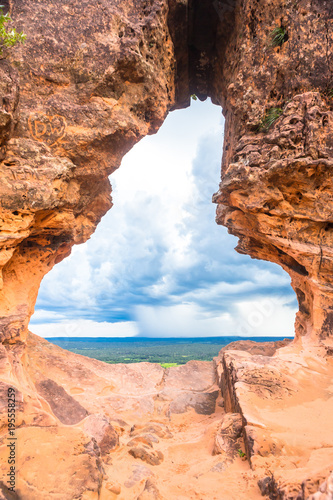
{"points": [[276, 191], [92, 80], [120, 439], [284, 402]]}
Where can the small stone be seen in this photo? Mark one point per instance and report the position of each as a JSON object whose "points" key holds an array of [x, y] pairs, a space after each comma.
{"points": [[113, 487], [152, 457], [150, 492], [140, 440], [161, 430]]}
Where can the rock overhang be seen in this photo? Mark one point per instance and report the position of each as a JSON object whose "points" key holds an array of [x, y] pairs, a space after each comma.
{"points": [[76, 101]]}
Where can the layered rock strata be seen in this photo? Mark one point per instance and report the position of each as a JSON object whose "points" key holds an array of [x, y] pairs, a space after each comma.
{"points": [[276, 189], [91, 81], [284, 401]]}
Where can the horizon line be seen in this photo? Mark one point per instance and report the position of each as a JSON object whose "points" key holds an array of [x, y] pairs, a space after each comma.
{"points": [[178, 338]]}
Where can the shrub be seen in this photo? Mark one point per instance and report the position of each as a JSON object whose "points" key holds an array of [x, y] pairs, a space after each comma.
{"points": [[270, 117], [8, 38], [278, 36]]}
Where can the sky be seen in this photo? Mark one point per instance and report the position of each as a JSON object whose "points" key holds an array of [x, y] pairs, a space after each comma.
{"points": [[158, 265]]}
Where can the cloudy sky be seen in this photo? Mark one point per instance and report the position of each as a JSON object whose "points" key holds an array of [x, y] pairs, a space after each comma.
{"points": [[158, 265]]}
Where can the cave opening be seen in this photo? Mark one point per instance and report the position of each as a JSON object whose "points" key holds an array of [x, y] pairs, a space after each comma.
{"points": [[158, 265]]}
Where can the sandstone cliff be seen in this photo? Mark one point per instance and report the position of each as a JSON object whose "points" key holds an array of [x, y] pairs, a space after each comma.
{"points": [[88, 84], [276, 191], [91, 80], [89, 430]]}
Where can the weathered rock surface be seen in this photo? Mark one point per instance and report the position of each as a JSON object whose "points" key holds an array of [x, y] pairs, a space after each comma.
{"points": [[285, 402], [153, 428], [150, 492], [325, 491], [276, 191], [190, 386], [152, 457], [277, 409], [63, 406], [91, 81], [112, 446], [99, 428], [227, 438]]}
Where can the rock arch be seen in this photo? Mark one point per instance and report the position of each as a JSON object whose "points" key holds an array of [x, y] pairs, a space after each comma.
{"points": [[93, 79]]}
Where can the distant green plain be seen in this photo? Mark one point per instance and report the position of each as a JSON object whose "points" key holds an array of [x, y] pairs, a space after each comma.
{"points": [[167, 352]]}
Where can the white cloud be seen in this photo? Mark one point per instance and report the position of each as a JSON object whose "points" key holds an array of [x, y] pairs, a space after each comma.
{"points": [[158, 263], [261, 318], [183, 320], [86, 328], [42, 315], [269, 316]]}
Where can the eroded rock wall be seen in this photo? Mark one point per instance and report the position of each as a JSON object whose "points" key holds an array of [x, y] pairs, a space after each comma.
{"points": [[91, 80], [276, 191]]}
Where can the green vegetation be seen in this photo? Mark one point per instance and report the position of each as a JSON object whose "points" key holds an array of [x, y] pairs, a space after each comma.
{"points": [[11, 37], [241, 453], [167, 352], [164, 352], [278, 36], [168, 365], [194, 97], [270, 117]]}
